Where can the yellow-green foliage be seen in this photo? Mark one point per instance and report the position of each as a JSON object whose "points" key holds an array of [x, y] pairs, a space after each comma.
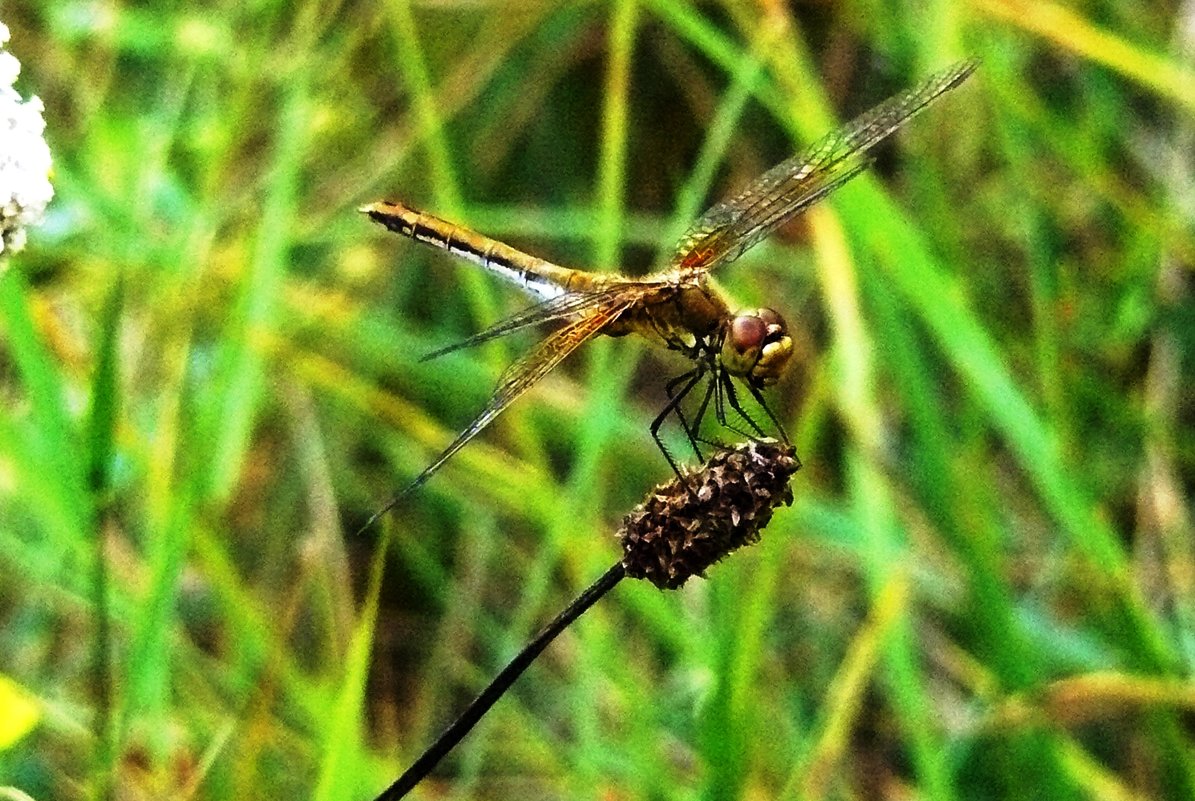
{"points": [[209, 365]]}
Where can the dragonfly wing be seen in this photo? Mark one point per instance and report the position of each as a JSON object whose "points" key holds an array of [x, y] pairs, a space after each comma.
{"points": [[733, 226], [562, 307], [520, 377]]}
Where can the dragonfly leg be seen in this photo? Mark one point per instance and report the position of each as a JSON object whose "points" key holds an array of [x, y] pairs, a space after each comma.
{"points": [[719, 387], [702, 409], [771, 415], [673, 405], [670, 387], [692, 376], [732, 398], [719, 402], [724, 396]]}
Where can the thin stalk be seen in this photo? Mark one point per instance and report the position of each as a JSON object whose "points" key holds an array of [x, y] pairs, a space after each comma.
{"points": [[496, 688]]}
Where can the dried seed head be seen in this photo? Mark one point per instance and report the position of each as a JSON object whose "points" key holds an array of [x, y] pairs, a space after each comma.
{"points": [[683, 528]]}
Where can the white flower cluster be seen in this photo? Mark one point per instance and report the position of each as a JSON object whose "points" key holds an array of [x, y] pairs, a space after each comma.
{"points": [[24, 156]]}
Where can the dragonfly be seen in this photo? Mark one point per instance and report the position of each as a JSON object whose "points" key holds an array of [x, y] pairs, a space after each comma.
{"points": [[678, 306]]}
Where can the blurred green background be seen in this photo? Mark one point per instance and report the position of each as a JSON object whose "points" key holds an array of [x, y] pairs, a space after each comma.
{"points": [[209, 366]]}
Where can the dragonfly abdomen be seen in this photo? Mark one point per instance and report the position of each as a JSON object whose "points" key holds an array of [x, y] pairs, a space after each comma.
{"points": [[537, 276]]}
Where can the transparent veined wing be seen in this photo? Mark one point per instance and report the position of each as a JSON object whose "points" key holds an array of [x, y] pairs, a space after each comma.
{"points": [[733, 226], [563, 307], [517, 379]]}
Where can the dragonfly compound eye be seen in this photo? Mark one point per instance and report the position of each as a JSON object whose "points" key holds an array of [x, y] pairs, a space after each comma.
{"points": [[757, 346], [742, 343], [747, 333]]}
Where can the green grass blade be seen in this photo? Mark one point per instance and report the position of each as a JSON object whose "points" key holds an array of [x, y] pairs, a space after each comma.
{"points": [[101, 430], [342, 757], [43, 382]]}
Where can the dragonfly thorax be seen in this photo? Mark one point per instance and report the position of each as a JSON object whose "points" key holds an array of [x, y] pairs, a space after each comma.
{"points": [[699, 310], [756, 346]]}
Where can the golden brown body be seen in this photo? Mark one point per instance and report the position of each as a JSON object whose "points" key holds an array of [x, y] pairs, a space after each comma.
{"points": [[677, 308]]}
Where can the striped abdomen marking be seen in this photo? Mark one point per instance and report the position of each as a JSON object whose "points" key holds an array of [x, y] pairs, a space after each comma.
{"points": [[541, 278]]}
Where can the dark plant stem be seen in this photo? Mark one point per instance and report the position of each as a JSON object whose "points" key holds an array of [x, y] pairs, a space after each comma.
{"points": [[501, 683]]}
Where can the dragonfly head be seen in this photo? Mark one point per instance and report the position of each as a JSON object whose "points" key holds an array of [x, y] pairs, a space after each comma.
{"points": [[757, 346]]}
